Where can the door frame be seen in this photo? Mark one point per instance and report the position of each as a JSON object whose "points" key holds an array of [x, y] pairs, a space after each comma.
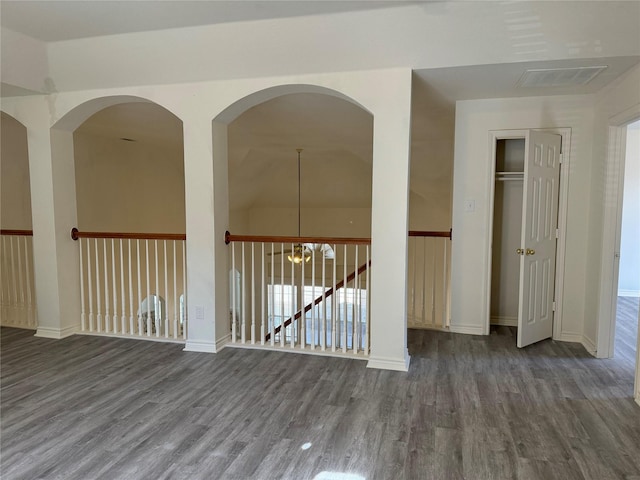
{"points": [[565, 151], [611, 230]]}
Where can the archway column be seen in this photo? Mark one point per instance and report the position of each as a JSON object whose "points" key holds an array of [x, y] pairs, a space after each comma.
{"points": [[206, 205], [53, 205], [389, 222]]}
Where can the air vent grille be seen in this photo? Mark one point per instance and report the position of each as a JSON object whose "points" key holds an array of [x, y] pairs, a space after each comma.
{"points": [[559, 77]]}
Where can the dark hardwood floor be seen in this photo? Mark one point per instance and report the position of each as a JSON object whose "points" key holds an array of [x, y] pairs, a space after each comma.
{"points": [[469, 408]]}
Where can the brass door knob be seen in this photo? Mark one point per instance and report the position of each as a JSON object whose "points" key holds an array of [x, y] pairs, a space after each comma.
{"points": [[520, 251], [530, 251]]}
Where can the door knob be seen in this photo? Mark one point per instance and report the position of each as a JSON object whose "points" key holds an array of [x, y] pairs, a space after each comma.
{"points": [[530, 251], [520, 251]]}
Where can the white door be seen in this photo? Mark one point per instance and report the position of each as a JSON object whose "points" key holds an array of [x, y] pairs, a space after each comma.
{"points": [[538, 241]]}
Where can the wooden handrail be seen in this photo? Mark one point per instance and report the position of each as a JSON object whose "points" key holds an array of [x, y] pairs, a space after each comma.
{"points": [[322, 297], [420, 233], [20, 233], [228, 238], [75, 234]]}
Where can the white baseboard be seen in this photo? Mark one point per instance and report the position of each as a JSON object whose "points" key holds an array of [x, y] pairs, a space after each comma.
{"points": [[56, 333], [570, 337], [200, 346], [629, 293], [505, 321], [467, 329], [222, 342], [387, 363], [589, 345]]}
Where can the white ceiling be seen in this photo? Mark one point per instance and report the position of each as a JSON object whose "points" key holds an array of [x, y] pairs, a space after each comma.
{"points": [[53, 20]]}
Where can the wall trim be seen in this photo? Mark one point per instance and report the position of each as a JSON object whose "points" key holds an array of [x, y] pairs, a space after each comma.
{"points": [[222, 342], [628, 293], [199, 346], [388, 363], [504, 321], [590, 346], [55, 333], [570, 337], [468, 329]]}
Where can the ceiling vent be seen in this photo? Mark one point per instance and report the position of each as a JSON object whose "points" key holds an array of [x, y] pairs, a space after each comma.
{"points": [[559, 77]]}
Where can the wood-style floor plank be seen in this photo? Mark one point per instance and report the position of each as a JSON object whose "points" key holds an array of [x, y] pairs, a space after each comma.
{"points": [[87, 408]]}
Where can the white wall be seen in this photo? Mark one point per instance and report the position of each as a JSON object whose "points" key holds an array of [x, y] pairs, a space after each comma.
{"points": [[472, 181], [128, 186], [15, 201], [629, 274]]}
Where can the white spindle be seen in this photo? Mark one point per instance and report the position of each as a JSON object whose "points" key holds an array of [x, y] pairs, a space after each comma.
{"points": [[3, 269], [115, 285], [148, 284], [273, 284], [28, 242], [282, 329], [323, 330], [185, 325], [253, 295], [123, 316], [344, 304], [300, 307], [98, 291], [176, 300], [262, 295], [366, 336], [90, 284], [83, 316], [13, 272], [131, 310], [243, 300], [334, 300], [20, 277], [433, 281], [166, 291], [107, 318], [413, 250], [139, 288], [157, 305], [313, 299], [234, 313], [447, 291], [293, 301], [356, 304]]}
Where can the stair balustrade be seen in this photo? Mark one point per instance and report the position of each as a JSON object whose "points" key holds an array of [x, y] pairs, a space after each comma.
{"points": [[17, 286]]}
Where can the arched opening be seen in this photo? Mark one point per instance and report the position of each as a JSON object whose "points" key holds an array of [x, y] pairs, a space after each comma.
{"points": [[128, 177], [17, 286], [328, 194]]}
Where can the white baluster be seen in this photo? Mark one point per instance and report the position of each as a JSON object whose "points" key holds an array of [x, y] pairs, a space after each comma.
{"points": [[123, 317], [356, 304], [303, 317], [107, 318], [234, 313], [139, 302], [90, 282], [131, 310], [282, 329], [447, 287], [433, 282], [83, 316], [176, 299], [344, 304], [148, 284], [166, 291], [243, 300], [253, 295], [98, 290], [185, 326], [27, 261], [413, 263], [262, 295], [313, 299], [366, 336], [157, 306], [323, 330], [20, 277], [273, 305], [115, 285], [13, 273], [293, 302], [334, 300]]}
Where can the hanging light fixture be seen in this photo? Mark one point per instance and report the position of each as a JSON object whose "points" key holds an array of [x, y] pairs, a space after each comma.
{"points": [[300, 252]]}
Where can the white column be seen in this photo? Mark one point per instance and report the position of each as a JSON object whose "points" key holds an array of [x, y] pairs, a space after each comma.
{"points": [[53, 203], [206, 213], [389, 220]]}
